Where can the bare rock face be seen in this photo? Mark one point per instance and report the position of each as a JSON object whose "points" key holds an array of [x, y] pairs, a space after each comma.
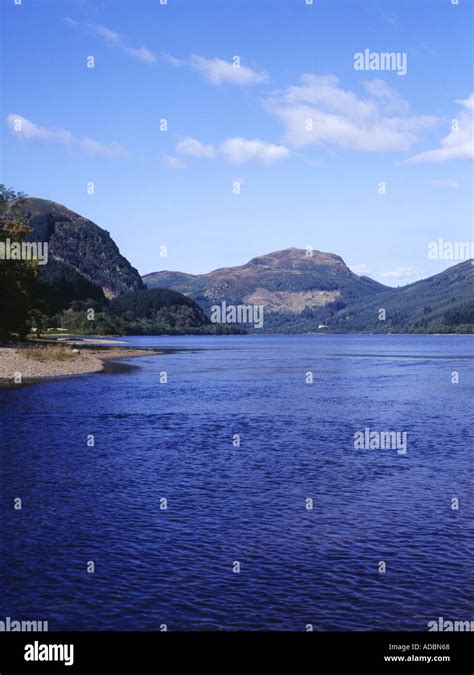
{"points": [[77, 246]]}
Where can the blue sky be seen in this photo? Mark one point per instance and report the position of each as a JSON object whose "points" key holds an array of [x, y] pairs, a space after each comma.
{"points": [[65, 125]]}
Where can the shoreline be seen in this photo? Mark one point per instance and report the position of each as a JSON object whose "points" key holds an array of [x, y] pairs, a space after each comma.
{"points": [[88, 355], [76, 358]]}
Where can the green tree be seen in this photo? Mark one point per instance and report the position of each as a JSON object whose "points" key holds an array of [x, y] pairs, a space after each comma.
{"points": [[21, 293]]}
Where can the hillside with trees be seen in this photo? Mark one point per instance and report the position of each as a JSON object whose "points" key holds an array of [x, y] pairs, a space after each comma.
{"points": [[302, 292], [87, 287]]}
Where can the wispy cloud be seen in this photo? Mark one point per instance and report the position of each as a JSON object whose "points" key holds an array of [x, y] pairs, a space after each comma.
{"points": [[194, 148], [31, 131], [318, 111], [235, 150], [96, 148], [241, 150], [400, 273], [362, 270], [218, 71], [392, 102], [444, 183], [113, 39], [28, 130], [458, 144]]}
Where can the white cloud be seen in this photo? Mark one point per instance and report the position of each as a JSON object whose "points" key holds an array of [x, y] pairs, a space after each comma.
{"points": [[400, 273], [115, 40], [318, 111], [362, 270], [31, 131], [241, 150], [96, 148], [458, 144], [218, 71], [28, 130], [142, 54], [194, 148], [234, 150], [393, 102]]}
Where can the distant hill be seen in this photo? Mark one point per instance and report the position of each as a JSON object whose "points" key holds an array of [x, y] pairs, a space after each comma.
{"points": [[300, 293], [284, 281], [78, 247], [440, 303]]}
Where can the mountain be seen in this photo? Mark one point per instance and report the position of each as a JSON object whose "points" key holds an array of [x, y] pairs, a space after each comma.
{"points": [[300, 292], [87, 286], [285, 281], [440, 303], [84, 255]]}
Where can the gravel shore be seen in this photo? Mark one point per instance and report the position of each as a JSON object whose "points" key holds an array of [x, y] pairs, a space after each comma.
{"points": [[79, 361]]}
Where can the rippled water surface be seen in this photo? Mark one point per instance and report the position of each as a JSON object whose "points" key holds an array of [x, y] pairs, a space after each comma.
{"points": [[174, 441]]}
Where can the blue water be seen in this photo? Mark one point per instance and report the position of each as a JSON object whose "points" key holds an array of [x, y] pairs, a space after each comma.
{"points": [[247, 503]]}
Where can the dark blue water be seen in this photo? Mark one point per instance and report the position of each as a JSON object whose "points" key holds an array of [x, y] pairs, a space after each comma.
{"points": [[247, 503]]}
